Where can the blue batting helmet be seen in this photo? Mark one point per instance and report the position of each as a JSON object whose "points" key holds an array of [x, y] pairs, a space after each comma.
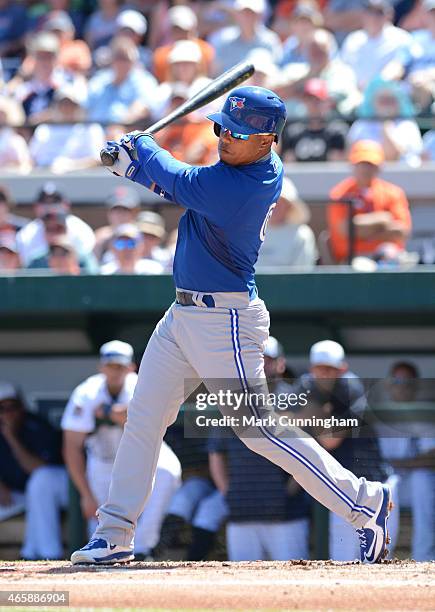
{"points": [[252, 110]]}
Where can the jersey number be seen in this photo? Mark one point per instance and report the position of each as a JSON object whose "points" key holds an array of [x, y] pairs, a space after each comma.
{"points": [[266, 221]]}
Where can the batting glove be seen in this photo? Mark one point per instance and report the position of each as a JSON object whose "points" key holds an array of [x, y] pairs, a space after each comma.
{"points": [[123, 161], [129, 141]]}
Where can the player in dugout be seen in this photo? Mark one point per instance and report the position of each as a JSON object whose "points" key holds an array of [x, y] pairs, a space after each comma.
{"points": [[217, 327]]}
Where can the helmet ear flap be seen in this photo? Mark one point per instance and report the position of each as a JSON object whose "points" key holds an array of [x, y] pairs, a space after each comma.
{"points": [[217, 129]]}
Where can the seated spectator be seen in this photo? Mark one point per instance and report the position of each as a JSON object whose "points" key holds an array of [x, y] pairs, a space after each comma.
{"points": [[69, 144], [14, 153], [419, 66], [387, 118], [304, 20], [40, 77], [380, 211], [74, 55], [322, 64], [428, 153], [378, 47], [13, 25], [31, 474], [126, 248], [133, 25], [122, 208], [233, 44], [185, 68], [53, 217], [152, 228], [93, 423], [125, 92], [62, 257], [318, 138], [344, 16], [101, 25], [289, 241], [183, 26], [266, 71], [188, 139], [9, 258], [10, 224]]}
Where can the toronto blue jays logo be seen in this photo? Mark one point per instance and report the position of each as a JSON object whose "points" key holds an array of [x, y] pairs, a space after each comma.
{"points": [[236, 102]]}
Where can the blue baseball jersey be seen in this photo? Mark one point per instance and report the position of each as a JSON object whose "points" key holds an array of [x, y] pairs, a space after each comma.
{"points": [[227, 210]]}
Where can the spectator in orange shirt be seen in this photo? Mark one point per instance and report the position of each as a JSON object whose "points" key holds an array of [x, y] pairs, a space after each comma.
{"points": [[188, 140], [381, 209], [184, 26], [74, 55]]}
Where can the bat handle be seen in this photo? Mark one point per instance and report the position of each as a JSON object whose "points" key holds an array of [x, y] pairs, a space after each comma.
{"points": [[108, 156]]}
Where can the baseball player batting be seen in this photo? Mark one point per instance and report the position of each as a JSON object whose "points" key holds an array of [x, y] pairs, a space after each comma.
{"points": [[218, 325]]}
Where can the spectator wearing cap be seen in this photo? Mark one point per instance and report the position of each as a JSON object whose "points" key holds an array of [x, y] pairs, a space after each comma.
{"points": [[10, 223], [335, 391], [183, 26], [126, 248], [152, 228], [188, 139], [233, 44], [62, 257], [101, 25], [387, 117], [40, 76], [14, 153], [268, 511], [304, 20], [380, 212], [53, 218], [379, 40], [122, 208], [68, 144], [125, 92], [322, 63], [319, 138], [74, 54], [184, 69], [133, 25], [289, 241], [93, 423], [9, 258], [31, 475], [13, 25]]}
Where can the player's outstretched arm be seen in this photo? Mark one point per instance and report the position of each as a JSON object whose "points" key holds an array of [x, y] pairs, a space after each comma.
{"points": [[134, 167]]}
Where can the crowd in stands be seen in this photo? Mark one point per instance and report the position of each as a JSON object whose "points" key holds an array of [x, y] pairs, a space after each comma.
{"points": [[211, 482], [75, 74]]}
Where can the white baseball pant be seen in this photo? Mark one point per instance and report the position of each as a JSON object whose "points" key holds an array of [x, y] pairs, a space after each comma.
{"points": [[193, 343]]}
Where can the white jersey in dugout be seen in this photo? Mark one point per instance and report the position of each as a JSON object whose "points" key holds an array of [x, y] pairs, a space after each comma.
{"points": [[103, 440]]}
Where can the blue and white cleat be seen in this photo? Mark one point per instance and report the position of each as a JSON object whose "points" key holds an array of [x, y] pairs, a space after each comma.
{"points": [[102, 551], [374, 535]]}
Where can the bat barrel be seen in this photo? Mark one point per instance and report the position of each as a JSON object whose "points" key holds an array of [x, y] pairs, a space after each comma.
{"points": [[228, 80]]}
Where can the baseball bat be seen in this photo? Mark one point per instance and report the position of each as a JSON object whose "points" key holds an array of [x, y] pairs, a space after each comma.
{"points": [[216, 88]]}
